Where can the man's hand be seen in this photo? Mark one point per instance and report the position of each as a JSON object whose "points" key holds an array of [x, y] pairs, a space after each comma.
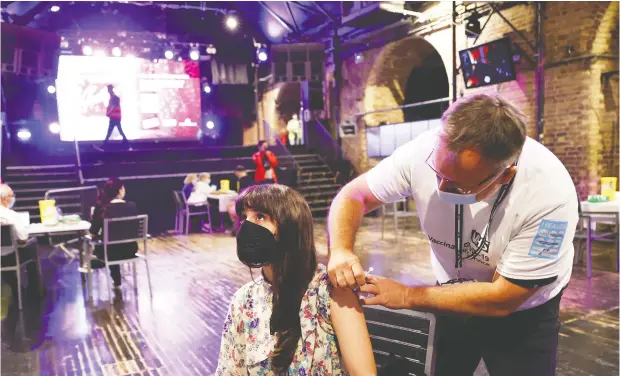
{"points": [[345, 270], [387, 293]]}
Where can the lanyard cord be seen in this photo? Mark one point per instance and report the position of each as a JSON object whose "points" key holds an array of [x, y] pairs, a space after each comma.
{"points": [[458, 226]]}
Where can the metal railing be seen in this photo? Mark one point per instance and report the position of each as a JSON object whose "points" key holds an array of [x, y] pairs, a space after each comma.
{"points": [[286, 160], [320, 141]]}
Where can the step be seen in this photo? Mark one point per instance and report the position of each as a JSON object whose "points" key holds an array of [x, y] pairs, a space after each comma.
{"points": [[12, 170], [321, 179], [309, 164], [315, 169], [47, 185], [29, 176], [318, 186], [305, 157], [324, 192]]}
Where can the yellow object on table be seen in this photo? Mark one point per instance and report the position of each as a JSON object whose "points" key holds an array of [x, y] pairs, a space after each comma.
{"points": [[49, 214], [224, 185], [608, 187]]}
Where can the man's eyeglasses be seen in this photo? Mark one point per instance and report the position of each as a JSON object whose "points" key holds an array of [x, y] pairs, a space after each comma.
{"points": [[464, 191]]}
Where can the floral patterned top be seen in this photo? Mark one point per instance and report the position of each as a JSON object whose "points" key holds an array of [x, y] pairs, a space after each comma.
{"points": [[247, 343]]}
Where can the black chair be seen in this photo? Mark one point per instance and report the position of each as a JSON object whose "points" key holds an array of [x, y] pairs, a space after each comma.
{"points": [[403, 341], [185, 212], [125, 230], [9, 245]]}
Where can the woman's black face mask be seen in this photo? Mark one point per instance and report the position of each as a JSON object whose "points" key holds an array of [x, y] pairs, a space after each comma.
{"points": [[256, 246]]}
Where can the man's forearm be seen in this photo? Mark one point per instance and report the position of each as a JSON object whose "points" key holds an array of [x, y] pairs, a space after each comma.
{"points": [[343, 221], [476, 299]]}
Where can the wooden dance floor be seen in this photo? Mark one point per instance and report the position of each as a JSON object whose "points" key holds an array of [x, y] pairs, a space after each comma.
{"points": [[193, 277]]}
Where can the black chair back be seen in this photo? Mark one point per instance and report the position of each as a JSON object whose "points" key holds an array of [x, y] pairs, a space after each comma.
{"points": [[7, 237], [125, 229], [403, 341]]}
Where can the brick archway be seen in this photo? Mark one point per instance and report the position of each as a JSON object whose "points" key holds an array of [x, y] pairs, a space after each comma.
{"points": [[386, 84]]}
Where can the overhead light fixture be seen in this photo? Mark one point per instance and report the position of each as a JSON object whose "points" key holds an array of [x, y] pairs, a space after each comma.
{"points": [[211, 50], [274, 30], [55, 8], [472, 25], [87, 50], [169, 54], [24, 134], [399, 7], [194, 55], [210, 124], [51, 89], [207, 89], [232, 23], [116, 51], [54, 128]]}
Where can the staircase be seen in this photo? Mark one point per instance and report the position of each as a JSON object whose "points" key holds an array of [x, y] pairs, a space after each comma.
{"points": [[317, 183], [29, 183]]}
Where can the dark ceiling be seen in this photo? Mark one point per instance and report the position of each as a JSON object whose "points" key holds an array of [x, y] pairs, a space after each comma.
{"points": [[295, 20]]}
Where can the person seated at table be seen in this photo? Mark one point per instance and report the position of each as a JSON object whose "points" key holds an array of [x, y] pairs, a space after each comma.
{"points": [[243, 181], [291, 321], [112, 204], [188, 184], [202, 189], [27, 247]]}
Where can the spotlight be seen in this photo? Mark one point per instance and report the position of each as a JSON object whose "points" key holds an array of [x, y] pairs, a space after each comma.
{"points": [[24, 134], [100, 53], [194, 55], [51, 89], [210, 124], [261, 54], [359, 58], [472, 28], [232, 23], [169, 54], [211, 50], [87, 50], [155, 61], [274, 30], [54, 128], [55, 8], [116, 51], [179, 58], [207, 89]]}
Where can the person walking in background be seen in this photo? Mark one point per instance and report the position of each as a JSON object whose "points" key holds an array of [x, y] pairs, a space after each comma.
{"points": [[294, 131], [265, 162], [114, 114]]}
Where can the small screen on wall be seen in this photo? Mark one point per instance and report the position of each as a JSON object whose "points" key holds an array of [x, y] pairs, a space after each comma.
{"points": [[487, 64]]}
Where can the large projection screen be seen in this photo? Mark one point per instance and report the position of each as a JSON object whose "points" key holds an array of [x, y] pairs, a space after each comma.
{"points": [[160, 99]]}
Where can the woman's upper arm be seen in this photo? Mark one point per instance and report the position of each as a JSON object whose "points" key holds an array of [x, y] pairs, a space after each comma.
{"points": [[350, 326], [232, 350]]}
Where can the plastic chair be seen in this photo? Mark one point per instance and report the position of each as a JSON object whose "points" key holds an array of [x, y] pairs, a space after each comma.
{"points": [[9, 242], [124, 230], [182, 221], [395, 211]]}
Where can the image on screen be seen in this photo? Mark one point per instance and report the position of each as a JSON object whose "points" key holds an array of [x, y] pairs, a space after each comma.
{"points": [[159, 99], [487, 64]]}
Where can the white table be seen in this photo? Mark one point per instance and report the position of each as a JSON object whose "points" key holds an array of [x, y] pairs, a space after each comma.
{"points": [[225, 199], [80, 229], [593, 213]]}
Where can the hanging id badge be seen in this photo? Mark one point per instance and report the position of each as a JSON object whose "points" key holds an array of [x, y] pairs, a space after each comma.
{"points": [[458, 248]]}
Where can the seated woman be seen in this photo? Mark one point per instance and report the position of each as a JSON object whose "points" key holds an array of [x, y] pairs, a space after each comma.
{"points": [[202, 189], [288, 321], [188, 185], [111, 204]]}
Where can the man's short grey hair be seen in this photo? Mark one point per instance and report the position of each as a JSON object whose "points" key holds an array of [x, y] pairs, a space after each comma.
{"points": [[486, 123], [5, 190]]}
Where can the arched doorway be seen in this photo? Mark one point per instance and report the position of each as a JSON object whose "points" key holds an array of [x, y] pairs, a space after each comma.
{"points": [[427, 82]]}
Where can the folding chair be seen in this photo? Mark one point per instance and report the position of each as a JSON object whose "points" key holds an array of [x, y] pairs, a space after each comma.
{"points": [[184, 213], [397, 209], [404, 337], [9, 242], [124, 230]]}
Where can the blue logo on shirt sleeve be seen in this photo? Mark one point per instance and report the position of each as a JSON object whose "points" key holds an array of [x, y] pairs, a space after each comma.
{"points": [[548, 239]]}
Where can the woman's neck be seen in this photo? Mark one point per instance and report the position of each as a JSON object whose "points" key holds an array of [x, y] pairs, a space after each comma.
{"points": [[268, 273]]}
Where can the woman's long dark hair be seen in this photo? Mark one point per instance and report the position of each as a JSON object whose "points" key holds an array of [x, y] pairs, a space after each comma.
{"points": [[295, 263], [107, 193]]}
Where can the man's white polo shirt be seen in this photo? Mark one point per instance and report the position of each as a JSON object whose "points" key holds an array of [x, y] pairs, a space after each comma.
{"points": [[531, 235]]}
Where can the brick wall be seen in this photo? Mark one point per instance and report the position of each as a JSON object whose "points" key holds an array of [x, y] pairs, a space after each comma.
{"points": [[581, 113]]}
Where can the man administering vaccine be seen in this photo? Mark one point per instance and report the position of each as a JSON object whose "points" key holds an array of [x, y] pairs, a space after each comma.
{"points": [[500, 211]]}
